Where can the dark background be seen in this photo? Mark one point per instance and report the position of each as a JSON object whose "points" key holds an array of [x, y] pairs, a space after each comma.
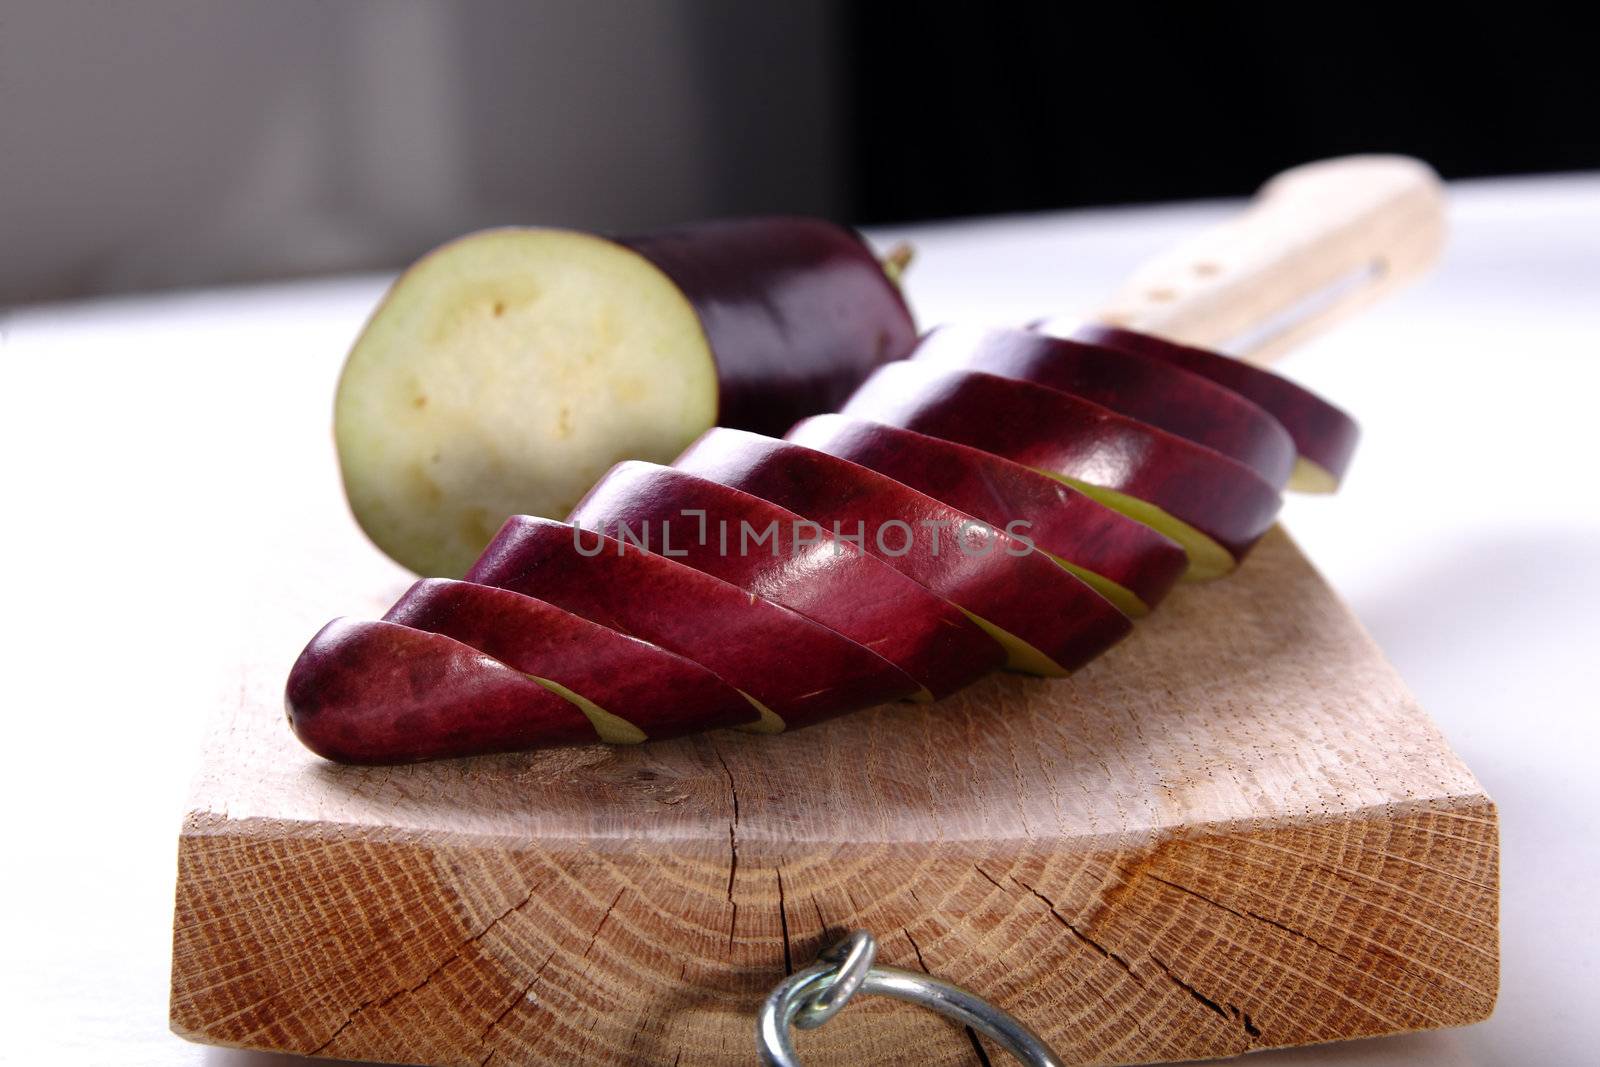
{"points": [[183, 142], [1040, 106]]}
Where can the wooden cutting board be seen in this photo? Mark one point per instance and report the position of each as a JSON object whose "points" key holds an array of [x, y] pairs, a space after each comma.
{"points": [[1237, 830]]}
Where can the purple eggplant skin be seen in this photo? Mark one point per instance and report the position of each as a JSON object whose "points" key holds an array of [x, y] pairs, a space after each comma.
{"points": [[1004, 581], [1322, 433], [1150, 390], [797, 312], [1060, 519], [663, 694], [806, 569], [378, 692], [800, 669], [1055, 431]]}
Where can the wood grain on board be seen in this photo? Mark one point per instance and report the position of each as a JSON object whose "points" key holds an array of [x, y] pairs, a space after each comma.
{"points": [[1237, 830]]}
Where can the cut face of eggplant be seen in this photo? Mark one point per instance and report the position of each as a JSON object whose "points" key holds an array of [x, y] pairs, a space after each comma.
{"points": [[502, 375], [506, 371]]}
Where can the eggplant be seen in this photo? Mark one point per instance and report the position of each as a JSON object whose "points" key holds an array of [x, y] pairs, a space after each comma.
{"points": [[507, 370]]}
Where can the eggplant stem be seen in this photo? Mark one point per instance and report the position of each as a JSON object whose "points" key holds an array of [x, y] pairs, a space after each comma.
{"points": [[897, 259]]}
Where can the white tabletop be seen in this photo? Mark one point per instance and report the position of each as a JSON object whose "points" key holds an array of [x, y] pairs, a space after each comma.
{"points": [[152, 448]]}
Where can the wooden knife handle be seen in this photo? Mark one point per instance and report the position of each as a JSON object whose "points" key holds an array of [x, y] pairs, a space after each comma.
{"points": [[1317, 243]]}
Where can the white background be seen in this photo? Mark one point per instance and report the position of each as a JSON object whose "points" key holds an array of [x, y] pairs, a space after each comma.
{"points": [[152, 449]]}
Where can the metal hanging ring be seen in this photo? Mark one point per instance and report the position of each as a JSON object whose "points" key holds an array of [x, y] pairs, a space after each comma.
{"points": [[852, 959], [818, 992]]}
